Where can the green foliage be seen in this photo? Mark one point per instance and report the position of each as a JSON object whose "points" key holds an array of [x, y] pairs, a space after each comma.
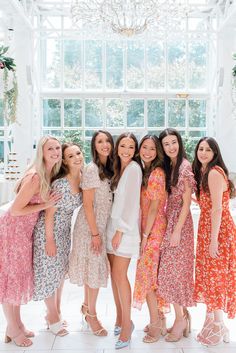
{"points": [[189, 146], [234, 68], [5, 61], [74, 136]]}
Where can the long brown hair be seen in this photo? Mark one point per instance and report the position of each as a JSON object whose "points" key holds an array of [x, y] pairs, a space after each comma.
{"points": [[117, 164], [157, 162], [217, 160], [172, 178], [105, 171]]}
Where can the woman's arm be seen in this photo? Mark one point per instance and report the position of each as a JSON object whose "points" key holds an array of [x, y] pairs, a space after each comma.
{"points": [[152, 212], [216, 186], [88, 200], [29, 188], [50, 247], [176, 235]]}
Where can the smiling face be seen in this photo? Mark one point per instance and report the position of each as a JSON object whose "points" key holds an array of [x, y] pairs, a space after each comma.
{"points": [[204, 153], [148, 151], [102, 146], [73, 157], [126, 150], [51, 152], [170, 145]]}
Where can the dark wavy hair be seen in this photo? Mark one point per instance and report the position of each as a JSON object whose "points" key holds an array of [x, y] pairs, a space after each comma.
{"points": [[64, 168], [105, 171], [157, 162], [202, 179], [117, 164], [172, 175]]}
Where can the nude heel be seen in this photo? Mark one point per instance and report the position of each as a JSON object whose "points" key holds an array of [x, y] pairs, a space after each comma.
{"points": [[226, 337], [7, 339]]}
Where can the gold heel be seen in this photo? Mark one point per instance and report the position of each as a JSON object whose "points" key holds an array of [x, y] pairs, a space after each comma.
{"points": [[7, 339], [99, 332]]}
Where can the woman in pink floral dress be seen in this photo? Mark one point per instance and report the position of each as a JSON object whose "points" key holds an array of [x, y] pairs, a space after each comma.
{"points": [[16, 228], [175, 278], [153, 226]]}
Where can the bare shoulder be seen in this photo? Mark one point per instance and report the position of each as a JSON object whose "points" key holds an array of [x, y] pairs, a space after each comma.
{"points": [[214, 173], [31, 180]]}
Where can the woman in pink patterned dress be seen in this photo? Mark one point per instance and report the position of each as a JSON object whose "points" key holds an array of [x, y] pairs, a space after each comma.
{"points": [[153, 226], [16, 228], [175, 277]]}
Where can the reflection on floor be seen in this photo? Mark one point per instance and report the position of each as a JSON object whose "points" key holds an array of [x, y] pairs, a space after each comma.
{"points": [[84, 341]]}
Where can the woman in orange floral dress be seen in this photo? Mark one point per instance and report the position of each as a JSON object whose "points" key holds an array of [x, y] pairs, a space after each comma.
{"points": [[215, 283], [153, 226]]}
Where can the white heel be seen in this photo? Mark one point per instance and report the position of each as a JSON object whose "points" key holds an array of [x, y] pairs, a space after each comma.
{"points": [[226, 337]]}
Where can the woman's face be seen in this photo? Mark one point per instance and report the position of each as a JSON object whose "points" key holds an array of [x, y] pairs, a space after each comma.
{"points": [[102, 145], [170, 145], [126, 149], [52, 152], [148, 151], [204, 153], [73, 157]]}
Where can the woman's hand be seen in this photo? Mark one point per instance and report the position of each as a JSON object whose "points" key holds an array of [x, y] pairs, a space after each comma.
{"points": [[213, 248], [96, 244], [143, 245], [116, 240], [50, 247], [175, 238], [54, 197]]}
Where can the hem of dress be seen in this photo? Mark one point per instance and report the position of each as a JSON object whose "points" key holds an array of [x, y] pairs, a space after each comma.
{"points": [[219, 307], [127, 256], [82, 283]]}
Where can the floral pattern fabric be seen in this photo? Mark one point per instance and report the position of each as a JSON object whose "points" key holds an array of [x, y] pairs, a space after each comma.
{"points": [[49, 271], [175, 278], [85, 266], [147, 266], [215, 283], [16, 268]]}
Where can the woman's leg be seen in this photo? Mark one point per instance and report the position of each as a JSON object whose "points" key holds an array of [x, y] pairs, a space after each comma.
{"points": [[17, 314], [181, 325], [119, 273], [58, 295], [53, 317], [115, 294], [155, 326]]}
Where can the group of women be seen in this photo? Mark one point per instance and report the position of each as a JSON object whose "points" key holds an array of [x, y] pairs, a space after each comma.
{"points": [[134, 202]]}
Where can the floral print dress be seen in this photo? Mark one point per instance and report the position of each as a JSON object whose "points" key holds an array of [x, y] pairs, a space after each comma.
{"points": [[147, 266], [175, 277], [215, 283]]}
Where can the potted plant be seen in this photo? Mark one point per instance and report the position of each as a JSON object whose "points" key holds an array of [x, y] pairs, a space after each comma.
{"points": [[10, 94]]}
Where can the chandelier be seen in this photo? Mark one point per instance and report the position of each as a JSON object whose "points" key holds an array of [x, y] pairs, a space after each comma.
{"points": [[126, 17]]}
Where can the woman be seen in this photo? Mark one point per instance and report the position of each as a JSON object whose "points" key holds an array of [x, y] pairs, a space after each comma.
{"points": [[52, 238], [215, 283], [175, 278], [123, 237], [153, 226], [16, 228], [89, 265]]}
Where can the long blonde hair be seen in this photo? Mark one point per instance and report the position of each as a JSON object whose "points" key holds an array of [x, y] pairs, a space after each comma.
{"points": [[39, 165]]}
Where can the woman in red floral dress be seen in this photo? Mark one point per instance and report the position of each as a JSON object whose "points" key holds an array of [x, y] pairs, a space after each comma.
{"points": [[215, 283]]}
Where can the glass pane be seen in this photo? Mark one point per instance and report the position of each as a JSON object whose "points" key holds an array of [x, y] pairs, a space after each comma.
{"points": [[56, 133], [93, 112], [135, 65], [176, 113], [51, 63], [197, 64], [197, 113], [72, 64], [87, 151], [89, 133], [155, 66], [1, 113], [73, 136], [72, 112], [176, 64], [115, 113], [93, 64], [51, 112], [114, 65], [135, 113], [1, 154], [156, 113], [196, 134], [154, 132]]}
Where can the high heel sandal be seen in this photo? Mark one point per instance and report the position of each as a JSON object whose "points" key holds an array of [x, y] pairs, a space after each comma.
{"points": [[84, 310], [153, 338], [122, 344], [58, 329], [99, 332], [20, 340], [164, 330], [207, 326], [221, 334], [117, 330], [175, 337]]}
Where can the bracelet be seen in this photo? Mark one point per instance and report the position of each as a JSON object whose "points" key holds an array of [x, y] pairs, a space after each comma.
{"points": [[95, 235], [145, 235]]}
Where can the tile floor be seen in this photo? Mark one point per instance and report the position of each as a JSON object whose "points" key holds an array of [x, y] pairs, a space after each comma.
{"points": [[79, 341]]}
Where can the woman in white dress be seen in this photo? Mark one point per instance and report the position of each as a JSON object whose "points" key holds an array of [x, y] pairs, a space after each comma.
{"points": [[123, 236]]}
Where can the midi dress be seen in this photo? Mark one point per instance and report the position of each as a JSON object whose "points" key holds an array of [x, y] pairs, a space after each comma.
{"points": [[215, 279], [85, 266], [125, 215], [147, 266], [49, 271], [175, 276], [16, 267]]}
